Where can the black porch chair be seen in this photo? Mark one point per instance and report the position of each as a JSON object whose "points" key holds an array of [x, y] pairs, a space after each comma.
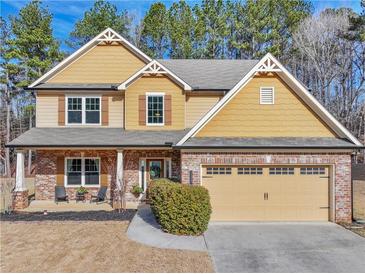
{"points": [[60, 194], [101, 196]]}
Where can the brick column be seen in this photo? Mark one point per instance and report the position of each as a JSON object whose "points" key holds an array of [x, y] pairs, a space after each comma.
{"points": [[20, 195]]}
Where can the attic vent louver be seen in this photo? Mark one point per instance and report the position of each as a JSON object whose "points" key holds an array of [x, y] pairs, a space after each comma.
{"points": [[266, 96]]}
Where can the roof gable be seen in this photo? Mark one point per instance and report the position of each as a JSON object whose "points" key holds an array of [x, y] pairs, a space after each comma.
{"points": [[245, 116], [154, 68], [108, 36], [270, 64]]}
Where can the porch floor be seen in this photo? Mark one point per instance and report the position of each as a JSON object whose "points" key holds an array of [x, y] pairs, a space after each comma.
{"points": [[51, 206]]}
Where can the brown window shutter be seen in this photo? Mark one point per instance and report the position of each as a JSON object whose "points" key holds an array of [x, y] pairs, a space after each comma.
{"points": [[142, 110], [105, 110], [60, 170], [61, 110], [168, 116]]}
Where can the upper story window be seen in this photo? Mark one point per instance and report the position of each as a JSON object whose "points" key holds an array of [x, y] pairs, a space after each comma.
{"points": [[83, 110], [266, 95], [155, 109]]}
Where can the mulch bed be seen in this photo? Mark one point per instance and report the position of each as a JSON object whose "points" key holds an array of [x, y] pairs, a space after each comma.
{"points": [[124, 215]]}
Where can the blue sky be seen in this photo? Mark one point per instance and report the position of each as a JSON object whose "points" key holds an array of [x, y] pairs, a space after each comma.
{"points": [[67, 12]]}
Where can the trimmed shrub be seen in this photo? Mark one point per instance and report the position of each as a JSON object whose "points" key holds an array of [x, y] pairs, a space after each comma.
{"points": [[180, 209]]}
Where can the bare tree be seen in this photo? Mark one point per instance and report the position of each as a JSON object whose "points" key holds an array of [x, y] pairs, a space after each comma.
{"points": [[332, 65]]}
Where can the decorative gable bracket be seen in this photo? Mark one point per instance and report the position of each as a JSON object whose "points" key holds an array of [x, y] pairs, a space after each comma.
{"points": [[268, 65], [109, 36], [154, 68]]}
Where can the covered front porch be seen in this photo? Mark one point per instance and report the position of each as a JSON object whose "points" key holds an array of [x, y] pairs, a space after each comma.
{"points": [[117, 170], [95, 158]]}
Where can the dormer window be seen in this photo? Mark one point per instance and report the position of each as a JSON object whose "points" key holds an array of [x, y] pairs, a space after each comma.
{"points": [[266, 95], [155, 109], [83, 110]]}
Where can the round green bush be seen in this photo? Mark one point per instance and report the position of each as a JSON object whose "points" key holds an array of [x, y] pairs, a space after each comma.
{"points": [[180, 209]]}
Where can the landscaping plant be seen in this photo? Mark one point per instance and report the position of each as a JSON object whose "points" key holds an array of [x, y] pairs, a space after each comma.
{"points": [[180, 209], [82, 190]]}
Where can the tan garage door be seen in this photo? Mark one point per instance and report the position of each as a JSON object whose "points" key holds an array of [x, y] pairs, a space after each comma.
{"points": [[268, 193]]}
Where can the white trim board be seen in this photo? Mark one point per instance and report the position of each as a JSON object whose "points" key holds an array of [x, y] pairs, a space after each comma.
{"points": [[108, 35], [154, 67], [277, 67]]}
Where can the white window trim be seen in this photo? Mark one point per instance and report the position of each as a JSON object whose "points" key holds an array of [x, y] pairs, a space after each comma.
{"points": [[82, 172], [150, 94], [273, 96], [83, 110]]}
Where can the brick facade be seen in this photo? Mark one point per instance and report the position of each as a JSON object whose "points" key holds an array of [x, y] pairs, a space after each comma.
{"points": [[20, 199], [191, 164], [131, 166], [46, 171], [185, 162]]}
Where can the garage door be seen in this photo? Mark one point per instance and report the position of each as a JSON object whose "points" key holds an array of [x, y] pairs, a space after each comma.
{"points": [[268, 193]]}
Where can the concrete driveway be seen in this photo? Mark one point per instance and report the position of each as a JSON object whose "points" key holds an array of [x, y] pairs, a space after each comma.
{"points": [[285, 247]]}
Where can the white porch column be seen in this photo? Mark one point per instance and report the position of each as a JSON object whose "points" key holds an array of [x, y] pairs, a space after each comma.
{"points": [[20, 174], [118, 200], [119, 169]]}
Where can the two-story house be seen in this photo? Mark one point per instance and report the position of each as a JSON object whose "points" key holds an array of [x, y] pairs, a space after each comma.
{"points": [[247, 130]]}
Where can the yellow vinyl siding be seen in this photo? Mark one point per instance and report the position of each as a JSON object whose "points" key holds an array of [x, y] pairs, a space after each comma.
{"points": [[154, 84], [197, 106], [244, 116], [116, 111], [47, 110], [102, 64]]}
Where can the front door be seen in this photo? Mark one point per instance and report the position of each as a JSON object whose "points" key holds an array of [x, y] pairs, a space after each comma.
{"points": [[155, 169]]}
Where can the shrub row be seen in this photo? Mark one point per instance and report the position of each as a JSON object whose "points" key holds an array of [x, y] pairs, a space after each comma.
{"points": [[180, 209]]}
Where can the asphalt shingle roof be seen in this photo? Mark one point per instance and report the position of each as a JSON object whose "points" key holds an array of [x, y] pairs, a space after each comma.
{"points": [[209, 74], [275, 142], [95, 137]]}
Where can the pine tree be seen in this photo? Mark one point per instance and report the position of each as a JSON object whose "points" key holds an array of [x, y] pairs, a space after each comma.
{"points": [[212, 17], [101, 16], [181, 25], [154, 36], [32, 45]]}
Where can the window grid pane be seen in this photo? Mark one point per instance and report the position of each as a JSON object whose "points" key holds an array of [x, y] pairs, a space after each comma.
{"points": [[155, 109], [91, 171], [312, 171], [249, 171], [281, 171], [74, 171], [219, 170]]}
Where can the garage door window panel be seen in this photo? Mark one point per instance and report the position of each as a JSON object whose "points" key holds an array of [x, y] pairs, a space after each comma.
{"points": [[312, 171], [281, 171], [249, 171], [219, 170]]}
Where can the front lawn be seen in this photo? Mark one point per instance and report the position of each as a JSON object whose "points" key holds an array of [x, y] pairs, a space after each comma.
{"points": [[66, 245]]}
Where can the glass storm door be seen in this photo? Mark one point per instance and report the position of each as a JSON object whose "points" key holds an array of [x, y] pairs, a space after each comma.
{"points": [[155, 169]]}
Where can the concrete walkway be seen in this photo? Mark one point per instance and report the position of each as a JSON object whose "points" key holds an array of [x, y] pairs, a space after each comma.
{"points": [[144, 229]]}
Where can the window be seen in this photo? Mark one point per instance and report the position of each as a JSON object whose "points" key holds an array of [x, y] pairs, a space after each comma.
{"points": [[83, 110], [266, 96], [155, 109], [74, 172], [312, 171], [219, 170], [82, 171], [281, 171], [249, 171]]}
